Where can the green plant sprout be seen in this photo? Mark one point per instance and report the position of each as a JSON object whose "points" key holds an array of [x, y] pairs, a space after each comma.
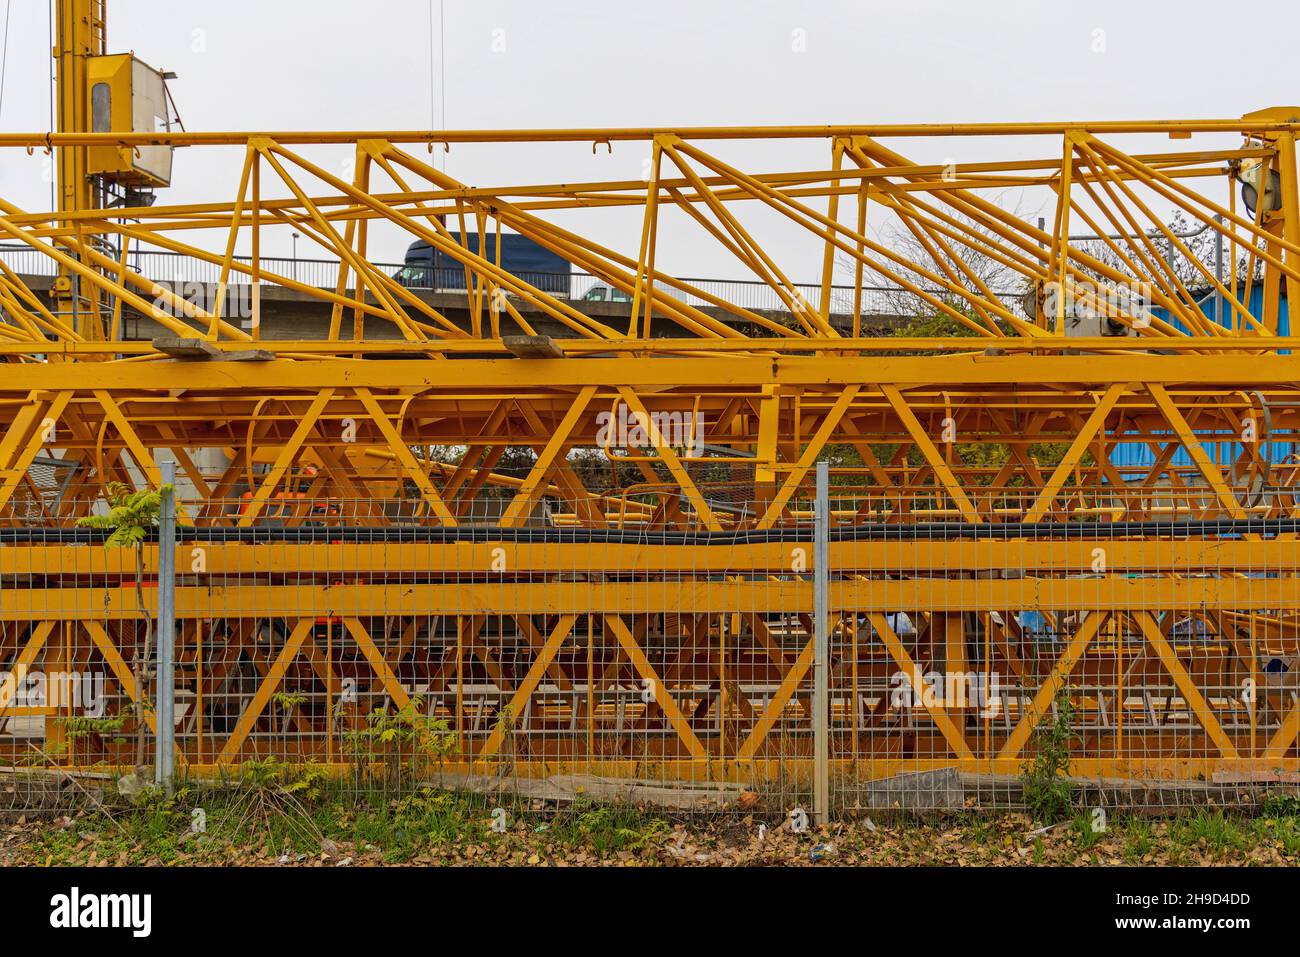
{"points": [[131, 515]]}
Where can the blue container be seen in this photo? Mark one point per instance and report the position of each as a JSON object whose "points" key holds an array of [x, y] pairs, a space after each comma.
{"points": [[1225, 452]]}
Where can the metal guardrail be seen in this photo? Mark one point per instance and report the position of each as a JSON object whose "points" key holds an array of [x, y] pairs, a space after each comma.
{"points": [[177, 268]]}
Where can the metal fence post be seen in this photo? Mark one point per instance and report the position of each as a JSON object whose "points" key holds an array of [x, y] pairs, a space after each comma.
{"points": [[821, 646], [165, 685]]}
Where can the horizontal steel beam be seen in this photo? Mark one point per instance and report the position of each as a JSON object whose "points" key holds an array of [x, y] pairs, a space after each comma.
{"points": [[632, 558], [508, 597], [1226, 371]]}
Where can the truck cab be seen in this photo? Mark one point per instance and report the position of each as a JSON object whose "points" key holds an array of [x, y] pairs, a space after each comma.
{"points": [[604, 292], [430, 268]]}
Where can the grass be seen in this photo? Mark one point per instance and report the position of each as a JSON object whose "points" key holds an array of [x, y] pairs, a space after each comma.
{"points": [[606, 828], [257, 819], [1085, 832], [1211, 830], [1139, 841], [275, 815]]}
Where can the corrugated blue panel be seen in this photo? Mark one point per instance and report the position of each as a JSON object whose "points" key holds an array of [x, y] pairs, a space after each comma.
{"points": [[1222, 453], [1256, 307]]}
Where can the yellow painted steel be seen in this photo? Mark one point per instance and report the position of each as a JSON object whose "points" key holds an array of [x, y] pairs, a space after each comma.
{"points": [[992, 413]]}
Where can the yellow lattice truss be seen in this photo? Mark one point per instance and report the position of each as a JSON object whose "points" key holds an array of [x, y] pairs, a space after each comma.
{"points": [[997, 414]]}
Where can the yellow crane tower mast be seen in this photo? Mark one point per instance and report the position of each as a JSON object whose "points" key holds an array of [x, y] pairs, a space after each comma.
{"points": [[80, 36], [101, 93]]}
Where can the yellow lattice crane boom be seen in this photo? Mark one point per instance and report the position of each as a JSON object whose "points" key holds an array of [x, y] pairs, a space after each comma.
{"points": [[1064, 468]]}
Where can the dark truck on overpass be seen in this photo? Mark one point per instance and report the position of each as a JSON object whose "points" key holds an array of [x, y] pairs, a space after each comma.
{"points": [[428, 268]]}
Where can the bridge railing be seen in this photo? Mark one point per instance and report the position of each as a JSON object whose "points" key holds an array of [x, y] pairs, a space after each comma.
{"points": [[179, 269]]}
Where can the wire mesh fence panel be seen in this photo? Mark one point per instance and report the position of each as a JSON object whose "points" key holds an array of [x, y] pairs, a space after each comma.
{"points": [[652, 646], [75, 648], [1109, 664], [541, 658]]}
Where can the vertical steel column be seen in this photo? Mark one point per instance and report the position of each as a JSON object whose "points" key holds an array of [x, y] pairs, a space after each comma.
{"points": [[165, 700], [821, 646]]}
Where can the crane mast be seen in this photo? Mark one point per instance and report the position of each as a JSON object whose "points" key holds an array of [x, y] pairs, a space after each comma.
{"points": [[80, 35]]}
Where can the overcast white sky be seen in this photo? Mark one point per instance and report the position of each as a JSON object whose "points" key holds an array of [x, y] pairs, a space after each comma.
{"points": [[344, 64]]}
